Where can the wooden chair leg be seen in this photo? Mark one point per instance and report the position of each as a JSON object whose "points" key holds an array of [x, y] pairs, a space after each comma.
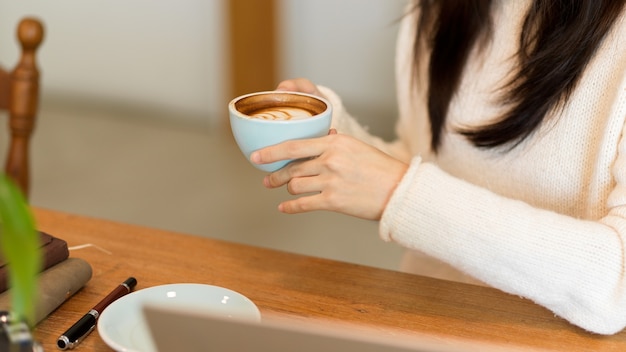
{"points": [[23, 103]]}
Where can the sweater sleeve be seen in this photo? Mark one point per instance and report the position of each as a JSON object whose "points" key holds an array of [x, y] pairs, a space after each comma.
{"points": [[344, 123], [573, 267], [576, 268]]}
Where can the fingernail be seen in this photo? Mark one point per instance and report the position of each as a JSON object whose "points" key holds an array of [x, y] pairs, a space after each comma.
{"points": [[255, 157]]}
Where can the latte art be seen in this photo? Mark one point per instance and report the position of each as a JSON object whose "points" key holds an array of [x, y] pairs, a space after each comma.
{"points": [[281, 113]]}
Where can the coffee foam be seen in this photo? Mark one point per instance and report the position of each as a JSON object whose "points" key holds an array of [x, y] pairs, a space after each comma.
{"points": [[281, 113]]}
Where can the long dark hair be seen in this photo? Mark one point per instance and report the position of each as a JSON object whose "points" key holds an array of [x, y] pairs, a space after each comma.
{"points": [[558, 40]]}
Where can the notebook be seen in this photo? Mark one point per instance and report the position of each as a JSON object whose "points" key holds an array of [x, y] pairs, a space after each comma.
{"points": [[190, 331], [54, 250]]}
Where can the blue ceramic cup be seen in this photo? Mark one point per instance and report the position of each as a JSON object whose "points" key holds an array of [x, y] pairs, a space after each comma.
{"points": [[261, 119]]}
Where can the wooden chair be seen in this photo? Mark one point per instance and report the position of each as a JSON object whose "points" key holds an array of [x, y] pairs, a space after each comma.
{"points": [[19, 95]]}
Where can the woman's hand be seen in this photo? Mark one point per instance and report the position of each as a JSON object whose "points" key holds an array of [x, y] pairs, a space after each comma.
{"points": [[301, 85], [335, 172]]}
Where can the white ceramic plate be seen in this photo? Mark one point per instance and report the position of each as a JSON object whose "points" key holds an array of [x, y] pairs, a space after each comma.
{"points": [[122, 325]]}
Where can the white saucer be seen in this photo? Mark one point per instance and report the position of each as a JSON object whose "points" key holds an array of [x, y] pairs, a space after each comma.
{"points": [[122, 325]]}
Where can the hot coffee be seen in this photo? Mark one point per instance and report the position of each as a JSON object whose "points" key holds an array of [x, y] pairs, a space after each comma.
{"points": [[284, 113], [280, 106], [262, 119]]}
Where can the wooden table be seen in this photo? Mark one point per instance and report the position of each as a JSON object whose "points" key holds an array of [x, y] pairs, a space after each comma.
{"points": [[305, 288]]}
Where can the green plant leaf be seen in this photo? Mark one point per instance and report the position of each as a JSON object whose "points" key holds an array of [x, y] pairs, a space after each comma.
{"points": [[20, 247]]}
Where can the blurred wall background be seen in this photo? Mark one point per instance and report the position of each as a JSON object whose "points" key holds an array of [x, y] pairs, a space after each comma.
{"points": [[164, 54], [170, 56], [134, 96]]}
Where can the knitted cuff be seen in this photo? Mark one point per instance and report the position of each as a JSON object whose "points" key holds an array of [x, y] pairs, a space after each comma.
{"points": [[386, 226]]}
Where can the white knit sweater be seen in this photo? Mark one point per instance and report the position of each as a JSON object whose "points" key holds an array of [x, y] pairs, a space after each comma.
{"points": [[547, 220]]}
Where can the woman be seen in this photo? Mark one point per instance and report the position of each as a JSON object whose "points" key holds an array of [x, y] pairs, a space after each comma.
{"points": [[510, 163]]}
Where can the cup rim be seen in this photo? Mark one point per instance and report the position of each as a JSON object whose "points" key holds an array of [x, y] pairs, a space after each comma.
{"points": [[239, 115]]}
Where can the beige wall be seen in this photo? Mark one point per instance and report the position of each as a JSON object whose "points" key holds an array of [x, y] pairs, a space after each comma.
{"points": [[169, 54], [139, 51]]}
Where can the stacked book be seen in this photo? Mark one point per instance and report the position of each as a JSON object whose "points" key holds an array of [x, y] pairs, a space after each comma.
{"points": [[60, 278]]}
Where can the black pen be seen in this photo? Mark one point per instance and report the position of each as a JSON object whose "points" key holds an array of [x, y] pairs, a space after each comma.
{"points": [[74, 335]]}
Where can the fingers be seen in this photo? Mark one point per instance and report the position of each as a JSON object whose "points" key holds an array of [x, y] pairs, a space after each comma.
{"points": [[297, 175], [304, 185], [300, 205], [320, 200], [302, 85], [295, 149]]}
